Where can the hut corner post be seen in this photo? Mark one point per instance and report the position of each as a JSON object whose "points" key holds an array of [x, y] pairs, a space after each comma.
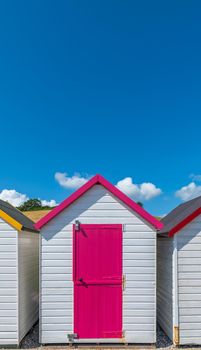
{"points": [[176, 337]]}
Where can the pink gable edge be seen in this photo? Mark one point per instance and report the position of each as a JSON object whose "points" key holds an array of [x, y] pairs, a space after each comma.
{"points": [[98, 179]]}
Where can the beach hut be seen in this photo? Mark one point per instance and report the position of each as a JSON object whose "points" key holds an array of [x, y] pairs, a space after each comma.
{"points": [[98, 269], [179, 274], [19, 280]]}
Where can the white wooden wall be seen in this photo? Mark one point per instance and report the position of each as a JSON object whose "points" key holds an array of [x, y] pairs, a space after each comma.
{"points": [[28, 267], [8, 285], [97, 206], [189, 279], [165, 284]]}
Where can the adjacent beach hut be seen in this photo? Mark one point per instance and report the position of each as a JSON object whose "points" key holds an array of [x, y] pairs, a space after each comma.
{"points": [[179, 274], [19, 280], [98, 268]]}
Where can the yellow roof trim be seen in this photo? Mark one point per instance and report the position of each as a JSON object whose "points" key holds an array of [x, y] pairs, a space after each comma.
{"points": [[15, 224]]}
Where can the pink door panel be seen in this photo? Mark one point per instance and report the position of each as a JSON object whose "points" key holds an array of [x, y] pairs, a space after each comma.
{"points": [[97, 275]]}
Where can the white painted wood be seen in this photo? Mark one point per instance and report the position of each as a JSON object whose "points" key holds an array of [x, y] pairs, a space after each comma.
{"points": [[8, 285], [18, 282], [98, 206], [189, 277]]}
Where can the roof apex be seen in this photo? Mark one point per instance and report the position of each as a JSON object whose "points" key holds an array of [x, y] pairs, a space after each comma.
{"points": [[180, 216], [112, 189]]}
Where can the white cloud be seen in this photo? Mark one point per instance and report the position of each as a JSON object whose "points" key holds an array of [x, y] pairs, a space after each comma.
{"points": [[51, 203], [13, 197], [188, 192], [195, 177], [16, 198], [139, 192], [72, 182]]}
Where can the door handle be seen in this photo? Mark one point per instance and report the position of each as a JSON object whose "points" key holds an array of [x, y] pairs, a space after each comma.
{"points": [[81, 279]]}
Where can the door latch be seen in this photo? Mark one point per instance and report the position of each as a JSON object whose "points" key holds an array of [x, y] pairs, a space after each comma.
{"points": [[77, 225], [124, 282]]}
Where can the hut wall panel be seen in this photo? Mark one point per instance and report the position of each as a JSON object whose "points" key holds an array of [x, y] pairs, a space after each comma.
{"points": [[189, 278]]}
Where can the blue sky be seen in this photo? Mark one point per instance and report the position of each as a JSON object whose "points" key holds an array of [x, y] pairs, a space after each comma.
{"points": [[109, 87]]}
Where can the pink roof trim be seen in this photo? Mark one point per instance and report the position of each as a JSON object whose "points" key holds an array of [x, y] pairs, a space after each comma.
{"points": [[98, 179]]}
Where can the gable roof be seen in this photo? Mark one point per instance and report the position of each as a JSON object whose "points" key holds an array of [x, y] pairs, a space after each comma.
{"points": [[98, 179], [181, 216], [15, 218]]}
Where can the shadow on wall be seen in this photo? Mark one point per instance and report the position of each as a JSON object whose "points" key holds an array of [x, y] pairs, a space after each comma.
{"points": [[187, 235], [69, 215]]}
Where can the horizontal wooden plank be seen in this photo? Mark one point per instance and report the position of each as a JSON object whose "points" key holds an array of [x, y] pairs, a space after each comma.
{"points": [[57, 270], [190, 297], [128, 298], [8, 313], [188, 326], [190, 340], [7, 291], [7, 306], [139, 306], [56, 291], [190, 290], [7, 328], [7, 248], [8, 321], [56, 305], [56, 249], [189, 261], [7, 299], [7, 263], [57, 298], [189, 268], [189, 254], [10, 337], [57, 320], [140, 327], [190, 333], [7, 277], [189, 311], [139, 291], [49, 259], [56, 327], [189, 282], [190, 276], [189, 304], [129, 261], [63, 283], [56, 313], [127, 312]]}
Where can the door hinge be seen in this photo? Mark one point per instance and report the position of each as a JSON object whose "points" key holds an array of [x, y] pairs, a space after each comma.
{"points": [[71, 337], [176, 335], [124, 282]]}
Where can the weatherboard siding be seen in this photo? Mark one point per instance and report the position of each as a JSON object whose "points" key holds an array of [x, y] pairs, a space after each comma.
{"points": [[165, 284], [98, 206], [8, 285], [189, 280], [28, 267]]}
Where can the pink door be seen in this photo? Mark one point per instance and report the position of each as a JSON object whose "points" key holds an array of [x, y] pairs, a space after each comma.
{"points": [[97, 275]]}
